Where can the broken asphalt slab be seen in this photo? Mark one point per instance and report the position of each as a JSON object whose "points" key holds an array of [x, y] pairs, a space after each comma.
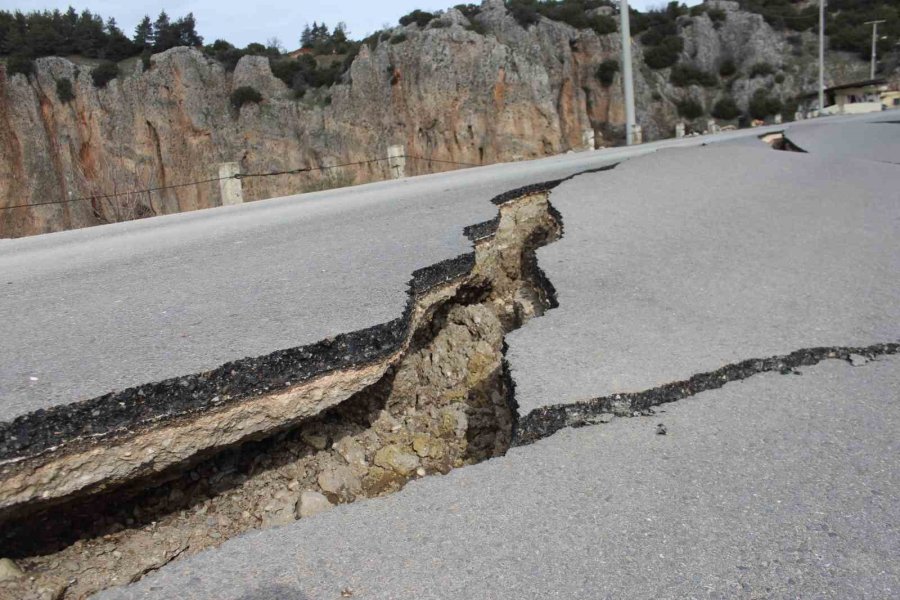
{"points": [[686, 261], [777, 486], [878, 140]]}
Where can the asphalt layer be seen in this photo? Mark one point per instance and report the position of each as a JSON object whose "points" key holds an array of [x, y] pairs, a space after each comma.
{"points": [[113, 307], [877, 141], [779, 486], [685, 261]]}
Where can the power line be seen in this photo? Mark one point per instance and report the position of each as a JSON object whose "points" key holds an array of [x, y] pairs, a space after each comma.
{"points": [[237, 176]]}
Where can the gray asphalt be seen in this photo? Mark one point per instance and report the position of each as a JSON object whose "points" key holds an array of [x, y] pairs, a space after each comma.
{"points": [[105, 308], [878, 141], [775, 487], [723, 253]]}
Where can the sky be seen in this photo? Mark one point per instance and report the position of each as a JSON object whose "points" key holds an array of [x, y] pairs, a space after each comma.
{"points": [[241, 21]]}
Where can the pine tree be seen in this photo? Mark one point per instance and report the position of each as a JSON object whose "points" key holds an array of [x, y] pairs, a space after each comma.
{"points": [[306, 37], [143, 34]]}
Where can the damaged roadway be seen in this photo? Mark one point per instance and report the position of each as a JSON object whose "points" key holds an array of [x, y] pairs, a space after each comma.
{"points": [[781, 486], [699, 226]]}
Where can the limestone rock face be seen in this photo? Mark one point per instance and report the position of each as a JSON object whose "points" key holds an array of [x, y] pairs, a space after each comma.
{"points": [[446, 93]]}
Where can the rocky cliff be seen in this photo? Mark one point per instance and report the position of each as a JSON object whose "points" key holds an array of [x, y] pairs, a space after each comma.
{"points": [[454, 92]]}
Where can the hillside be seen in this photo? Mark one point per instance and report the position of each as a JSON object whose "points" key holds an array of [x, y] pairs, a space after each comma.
{"points": [[471, 85]]}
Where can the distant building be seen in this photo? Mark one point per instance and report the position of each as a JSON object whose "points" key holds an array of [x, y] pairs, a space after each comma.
{"points": [[871, 95]]}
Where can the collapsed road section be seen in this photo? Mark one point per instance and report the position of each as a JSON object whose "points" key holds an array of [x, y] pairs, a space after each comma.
{"points": [[99, 493]]}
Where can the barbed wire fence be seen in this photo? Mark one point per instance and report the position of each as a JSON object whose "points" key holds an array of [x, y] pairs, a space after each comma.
{"points": [[114, 206]]}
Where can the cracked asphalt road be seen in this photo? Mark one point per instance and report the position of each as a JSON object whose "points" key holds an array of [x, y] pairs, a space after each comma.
{"points": [[780, 486], [777, 486], [110, 307], [725, 253]]}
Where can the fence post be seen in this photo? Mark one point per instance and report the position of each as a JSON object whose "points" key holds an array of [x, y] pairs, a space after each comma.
{"points": [[231, 190], [588, 139], [397, 161]]}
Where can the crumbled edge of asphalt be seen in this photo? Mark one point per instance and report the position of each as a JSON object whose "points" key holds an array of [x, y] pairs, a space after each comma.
{"points": [[545, 421], [788, 145], [122, 412]]}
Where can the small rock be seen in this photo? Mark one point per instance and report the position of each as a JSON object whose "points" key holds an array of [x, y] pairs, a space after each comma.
{"points": [[606, 417], [338, 479], [346, 593], [858, 360], [397, 458], [661, 429], [426, 446], [317, 441], [312, 503], [10, 570], [351, 450], [420, 472]]}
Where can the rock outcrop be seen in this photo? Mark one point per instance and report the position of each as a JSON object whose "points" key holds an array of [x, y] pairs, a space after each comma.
{"points": [[446, 92]]}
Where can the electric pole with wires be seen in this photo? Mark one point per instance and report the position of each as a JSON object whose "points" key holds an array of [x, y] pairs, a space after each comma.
{"points": [[821, 56], [874, 25], [627, 78]]}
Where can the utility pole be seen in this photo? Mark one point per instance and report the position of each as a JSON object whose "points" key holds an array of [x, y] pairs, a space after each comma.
{"points": [[874, 25], [627, 80], [821, 56]]}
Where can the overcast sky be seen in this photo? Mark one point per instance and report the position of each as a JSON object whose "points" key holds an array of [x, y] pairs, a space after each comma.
{"points": [[242, 22]]}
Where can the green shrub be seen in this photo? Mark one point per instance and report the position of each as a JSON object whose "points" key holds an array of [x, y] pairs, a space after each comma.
{"points": [[18, 63], [468, 10], [717, 15], [399, 38], [690, 109], [726, 109], [607, 70], [603, 24], [779, 78], [685, 75], [652, 37], [419, 17], [243, 95], [659, 57], [105, 72], [64, 90], [524, 14], [761, 69], [762, 105], [476, 27], [439, 24], [728, 67]]}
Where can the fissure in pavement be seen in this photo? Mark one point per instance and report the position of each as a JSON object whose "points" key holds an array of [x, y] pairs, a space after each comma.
{"points": [[442, 400]]}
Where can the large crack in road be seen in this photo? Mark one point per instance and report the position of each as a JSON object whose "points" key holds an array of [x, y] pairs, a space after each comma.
{"points": [[266, 441], [103, 510]]}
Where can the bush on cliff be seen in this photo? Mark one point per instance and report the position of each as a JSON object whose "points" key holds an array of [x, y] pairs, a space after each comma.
{"points": [[607, 70], [762, 105], [726, 109], [64, 90], [727, 67], [690, 109], [685, 75], [419, 17], [18, 63], [666, 54], [524, 13], [761, 69], [103, 73], [243, 95]]}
